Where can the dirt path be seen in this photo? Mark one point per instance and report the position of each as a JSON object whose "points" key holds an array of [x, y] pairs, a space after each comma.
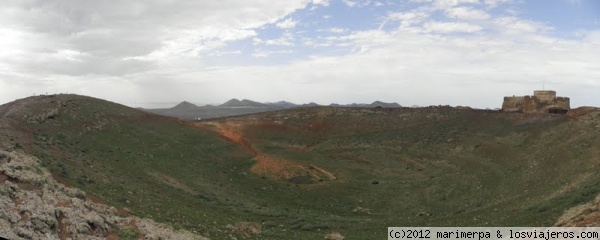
{"points": [[265, 164]]}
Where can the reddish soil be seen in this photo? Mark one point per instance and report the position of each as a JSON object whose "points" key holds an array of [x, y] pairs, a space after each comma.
{"points": [[267, 165], [61, 181], [123, 211], [63, 234], [111, 236]]}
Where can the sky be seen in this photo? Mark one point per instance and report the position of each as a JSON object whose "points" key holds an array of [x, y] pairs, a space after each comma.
{"points": [[156, 53]]}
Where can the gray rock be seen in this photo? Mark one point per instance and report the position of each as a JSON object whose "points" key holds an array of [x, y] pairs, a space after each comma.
{"points": [[46, 207]]}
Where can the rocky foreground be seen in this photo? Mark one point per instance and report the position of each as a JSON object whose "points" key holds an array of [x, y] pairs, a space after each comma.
{"points": [[35, 206]]}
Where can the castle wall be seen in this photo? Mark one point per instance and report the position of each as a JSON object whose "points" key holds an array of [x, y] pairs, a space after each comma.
{"points": [[513, 104], [531, 104]]}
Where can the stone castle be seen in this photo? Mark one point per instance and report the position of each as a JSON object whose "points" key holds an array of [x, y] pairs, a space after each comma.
{"points": [[542, 101]]}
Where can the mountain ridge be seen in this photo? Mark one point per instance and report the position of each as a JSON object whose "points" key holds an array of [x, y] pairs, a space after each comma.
{"points": [[233, 107]]}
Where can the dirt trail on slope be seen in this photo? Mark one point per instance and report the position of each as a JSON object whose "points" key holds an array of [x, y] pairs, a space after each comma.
{"points": [[267, 165]]}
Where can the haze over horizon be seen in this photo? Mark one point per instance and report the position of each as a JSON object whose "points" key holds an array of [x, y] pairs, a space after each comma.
{"points": [[417, 52]]}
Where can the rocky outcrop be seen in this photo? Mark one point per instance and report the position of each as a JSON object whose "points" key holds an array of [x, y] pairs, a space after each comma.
{"points": [[585, 215], [34, 206]]}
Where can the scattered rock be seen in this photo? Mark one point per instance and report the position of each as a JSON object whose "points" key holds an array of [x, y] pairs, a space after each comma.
{"points": [[424, 213], [245, 229], [334, 236], [362, 210]]}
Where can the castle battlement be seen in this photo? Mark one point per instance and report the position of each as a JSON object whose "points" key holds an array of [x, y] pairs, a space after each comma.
{"points": [[542, 101]]}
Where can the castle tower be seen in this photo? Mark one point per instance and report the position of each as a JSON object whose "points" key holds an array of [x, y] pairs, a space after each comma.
{"points": [[545, 95]]}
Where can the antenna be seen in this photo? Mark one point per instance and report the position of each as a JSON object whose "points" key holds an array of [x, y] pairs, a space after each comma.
{"points": [[543, 84]]}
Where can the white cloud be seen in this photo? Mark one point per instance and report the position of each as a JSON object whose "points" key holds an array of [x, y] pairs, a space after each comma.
{"points": [[69, 55], [466, 13], [357, 3], [350, 3], [444, 4], [287, 39], [321, 2], [514, 25], [450, 27], [218, 53], [287, 24], [407, 19], [335, 30], [264, 53], [592, 37], [117, 36], [495, 3], [310, 42]]}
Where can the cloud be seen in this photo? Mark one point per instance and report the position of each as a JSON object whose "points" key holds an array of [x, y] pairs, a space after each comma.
{"points": [[466, 13], [495, 3], [223, 53], [444, 4], [335, 30], [350, 3], [321, 2], [359, 3], [286, 40], [259, 53], [287, 24], [450, 27], [126, 37], [514, 25], [407, 19]]}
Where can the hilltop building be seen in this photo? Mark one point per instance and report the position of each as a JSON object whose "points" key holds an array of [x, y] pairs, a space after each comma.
{"points": [[542, 101]]}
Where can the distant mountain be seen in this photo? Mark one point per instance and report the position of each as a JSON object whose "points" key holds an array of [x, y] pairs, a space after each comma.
{"points": [[184, 106], [233, 107], [234, 103], [311, 104], [385, 105], [364, 105], [282, 104]]}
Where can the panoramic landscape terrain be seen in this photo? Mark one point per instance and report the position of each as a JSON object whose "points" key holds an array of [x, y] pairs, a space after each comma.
{"points": [[301, 173], [296, 119]]}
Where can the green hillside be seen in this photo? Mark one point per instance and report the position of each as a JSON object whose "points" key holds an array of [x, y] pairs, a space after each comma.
{"points": [[390, 167]]}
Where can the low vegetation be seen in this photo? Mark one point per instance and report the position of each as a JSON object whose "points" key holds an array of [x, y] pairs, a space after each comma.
{"points": [[352, 171]]}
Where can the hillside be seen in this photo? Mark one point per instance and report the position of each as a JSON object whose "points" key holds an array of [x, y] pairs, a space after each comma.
{"points": [[35, 206], [306, 172]]}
